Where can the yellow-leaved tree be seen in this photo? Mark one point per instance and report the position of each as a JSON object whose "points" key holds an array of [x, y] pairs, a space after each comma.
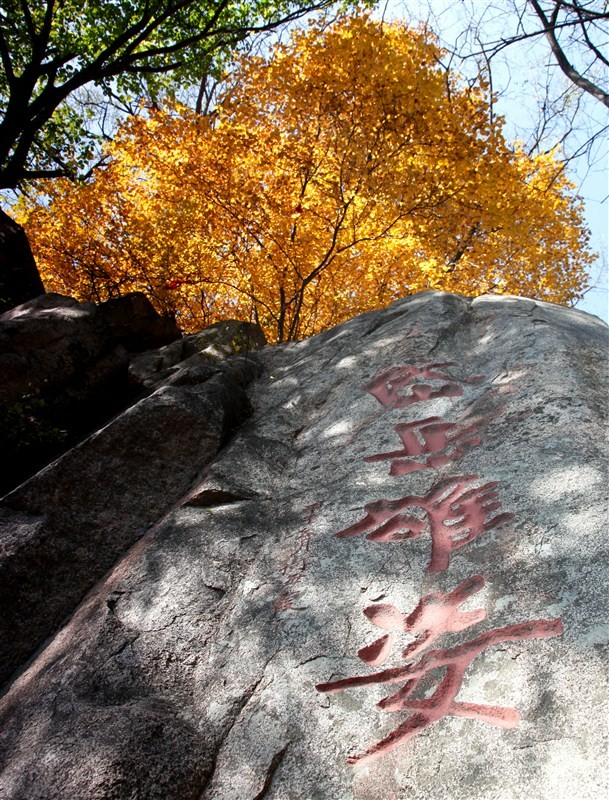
{"points": [[345, 170]]}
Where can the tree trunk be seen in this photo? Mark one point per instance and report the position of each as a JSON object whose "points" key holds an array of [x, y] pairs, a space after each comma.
{"points": [[19, 278]]}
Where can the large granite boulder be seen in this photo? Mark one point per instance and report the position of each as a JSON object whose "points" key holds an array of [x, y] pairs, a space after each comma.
{"points": [[225, 338], [19, 278], [67, 367], [61, 530], [61, 374], [203, 349], [136, 324], [56, 347], [391, 582]]}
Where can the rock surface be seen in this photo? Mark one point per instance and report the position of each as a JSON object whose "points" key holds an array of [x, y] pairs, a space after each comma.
{"points": [[79, 515], [19, 278], [238, 650], [61, 375], [67, 367], [202, 350], [134, 323], [56, 347]]}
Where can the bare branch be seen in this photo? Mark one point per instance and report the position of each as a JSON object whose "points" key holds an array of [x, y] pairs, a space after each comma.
{"points": [[549, 26], [583, 19]]}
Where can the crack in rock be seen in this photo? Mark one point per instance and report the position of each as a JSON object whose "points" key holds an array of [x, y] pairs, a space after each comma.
{"points": [[271, 770]]}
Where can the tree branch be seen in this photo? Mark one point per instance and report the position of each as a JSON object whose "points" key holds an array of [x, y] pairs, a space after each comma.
{"points": [[583, 19], [29, 22], [549, 26]]}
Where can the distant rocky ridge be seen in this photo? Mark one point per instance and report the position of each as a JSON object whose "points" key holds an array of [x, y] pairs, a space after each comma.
{"points": [[407, 510]]}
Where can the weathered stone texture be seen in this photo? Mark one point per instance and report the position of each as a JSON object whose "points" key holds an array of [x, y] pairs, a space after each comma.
{"points": [[200, 665], [61, 376], [61, 530], [174, 362], [67, 367]]}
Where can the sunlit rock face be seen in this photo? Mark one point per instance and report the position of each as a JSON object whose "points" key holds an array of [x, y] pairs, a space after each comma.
{"points": [[390, 583]]}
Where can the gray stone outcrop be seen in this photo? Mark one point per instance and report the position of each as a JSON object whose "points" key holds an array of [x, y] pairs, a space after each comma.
{"points": [[414, 516], [67, 367], [195, 355], [19, 278], [135, 324], [57, 348], [61, 375], [63, 529]]}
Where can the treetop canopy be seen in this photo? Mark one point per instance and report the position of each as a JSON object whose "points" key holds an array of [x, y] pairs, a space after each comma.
{"points": [[342, 171]]}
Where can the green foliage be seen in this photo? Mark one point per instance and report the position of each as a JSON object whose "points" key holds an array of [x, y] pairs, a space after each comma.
{"points": [[123, 50]]}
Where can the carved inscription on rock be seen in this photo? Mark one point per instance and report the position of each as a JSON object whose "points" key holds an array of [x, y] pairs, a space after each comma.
{"points": [[457, 514], [400, 387], [456, 511], [435, 615], [429, 442]]}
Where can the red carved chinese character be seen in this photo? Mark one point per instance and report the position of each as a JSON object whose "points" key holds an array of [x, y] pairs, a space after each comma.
{"points": [[385, 387], [457, 515], [435, 615], [437, 436]]}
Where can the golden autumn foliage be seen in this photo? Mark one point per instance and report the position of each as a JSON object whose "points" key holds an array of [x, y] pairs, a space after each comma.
{"points": [[345, 170]]}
